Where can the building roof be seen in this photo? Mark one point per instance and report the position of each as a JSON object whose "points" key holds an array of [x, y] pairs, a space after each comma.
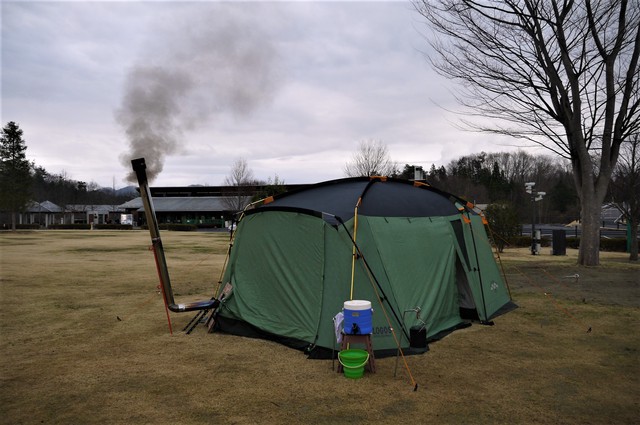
{"points": [[182, 204], [50, 207], [43, 207], [101, 209], [611, 212]]}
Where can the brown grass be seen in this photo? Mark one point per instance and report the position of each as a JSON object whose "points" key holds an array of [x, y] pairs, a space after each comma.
{"points": [[66, 358]]}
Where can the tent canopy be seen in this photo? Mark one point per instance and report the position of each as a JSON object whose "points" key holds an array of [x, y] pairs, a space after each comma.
{"points": [[396, 198], [292, 264]]}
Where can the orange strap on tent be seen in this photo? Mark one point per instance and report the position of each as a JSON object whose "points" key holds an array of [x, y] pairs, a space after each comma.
{"points": [[484, 219], [466, 219]]}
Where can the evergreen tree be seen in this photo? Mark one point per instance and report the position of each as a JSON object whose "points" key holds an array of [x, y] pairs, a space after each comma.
{"points": [[503, 222], [15, 176]]}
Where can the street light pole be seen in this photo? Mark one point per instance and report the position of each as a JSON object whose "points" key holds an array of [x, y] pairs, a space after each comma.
{"points": [[534, 241], [529, 189], [535, 197]]}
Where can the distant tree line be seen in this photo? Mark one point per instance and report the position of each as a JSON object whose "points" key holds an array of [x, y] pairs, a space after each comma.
{"points": [[499, 178], [62, 190]]}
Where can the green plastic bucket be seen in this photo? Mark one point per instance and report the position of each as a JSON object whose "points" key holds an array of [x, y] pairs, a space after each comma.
{"points": [[353, 362]]}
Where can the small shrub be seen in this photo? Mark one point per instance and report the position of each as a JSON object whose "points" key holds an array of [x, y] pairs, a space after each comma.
{"points": [[27, 226], [208, 226], [113, 226], [178, 227], [573, 242], [70, 226], [613, 245]]}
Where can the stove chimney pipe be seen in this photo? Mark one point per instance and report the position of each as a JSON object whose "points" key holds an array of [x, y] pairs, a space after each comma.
{"points": [[139, 166]]}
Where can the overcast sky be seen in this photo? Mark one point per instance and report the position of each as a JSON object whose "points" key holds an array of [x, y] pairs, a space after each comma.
{"points": [[292, 87]]}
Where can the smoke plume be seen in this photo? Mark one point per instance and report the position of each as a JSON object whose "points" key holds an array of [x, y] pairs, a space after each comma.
{"points": [[210, 61]]}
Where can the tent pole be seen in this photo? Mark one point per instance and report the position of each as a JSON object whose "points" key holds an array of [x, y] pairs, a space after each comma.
{"points": [[372, 276], [504, 275], [372, 279], [354, 253], [232, 237], [353, 250]]}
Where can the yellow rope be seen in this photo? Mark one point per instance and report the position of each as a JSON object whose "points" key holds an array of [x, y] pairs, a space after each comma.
{"points": [[354, 252], [492, 235]]}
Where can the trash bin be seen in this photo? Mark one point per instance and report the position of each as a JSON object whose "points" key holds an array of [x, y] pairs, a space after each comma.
{"points": [[559, 242]]}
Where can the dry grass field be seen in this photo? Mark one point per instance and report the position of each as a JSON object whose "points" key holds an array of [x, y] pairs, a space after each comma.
{"points": [[84, 340]]}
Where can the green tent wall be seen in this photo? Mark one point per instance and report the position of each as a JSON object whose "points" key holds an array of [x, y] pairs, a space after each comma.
{"points": [[291, 264]]}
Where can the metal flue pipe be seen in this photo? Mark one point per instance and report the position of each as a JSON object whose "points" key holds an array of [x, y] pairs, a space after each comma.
{"points": [[139, 166]]}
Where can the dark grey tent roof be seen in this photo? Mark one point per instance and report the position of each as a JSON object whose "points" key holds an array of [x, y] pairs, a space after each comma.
{"points": [[380, 197]]}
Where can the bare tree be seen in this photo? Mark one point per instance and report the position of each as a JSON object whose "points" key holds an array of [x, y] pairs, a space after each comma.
{"points": [[561, 74], [238, 179], [625, 189], [371, 159]]}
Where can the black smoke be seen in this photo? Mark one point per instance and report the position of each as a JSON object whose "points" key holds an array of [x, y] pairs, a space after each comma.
{"points": [[213, 59]]}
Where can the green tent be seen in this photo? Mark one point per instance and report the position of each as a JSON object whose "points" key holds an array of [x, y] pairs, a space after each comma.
{"points": [[292, 265]]}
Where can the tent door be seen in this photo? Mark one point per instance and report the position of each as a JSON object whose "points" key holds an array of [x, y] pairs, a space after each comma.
{"points": [[465, 296]]}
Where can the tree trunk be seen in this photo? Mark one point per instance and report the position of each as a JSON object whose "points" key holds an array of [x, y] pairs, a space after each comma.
{"points": [[591, 199], [13, 221], [589, 253]]}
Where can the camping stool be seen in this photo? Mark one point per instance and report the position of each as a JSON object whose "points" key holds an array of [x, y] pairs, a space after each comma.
{"points": [[365, 339]]}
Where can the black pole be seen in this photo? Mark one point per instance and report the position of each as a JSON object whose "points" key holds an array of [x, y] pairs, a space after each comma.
{"points": [[533, 223], [375, 279]]}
